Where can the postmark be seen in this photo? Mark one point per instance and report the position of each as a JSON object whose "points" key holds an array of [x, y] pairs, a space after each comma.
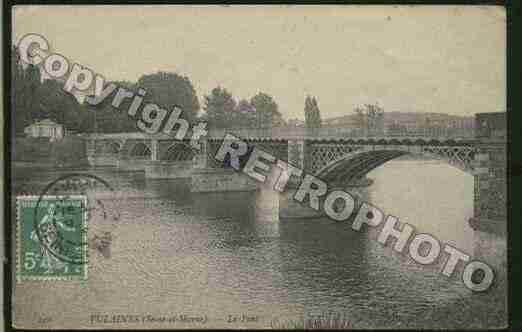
{"points": [[51, 237], [103, 207]]}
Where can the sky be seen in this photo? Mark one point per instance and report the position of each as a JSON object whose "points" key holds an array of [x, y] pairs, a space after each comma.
{"points": [[448, 59]]}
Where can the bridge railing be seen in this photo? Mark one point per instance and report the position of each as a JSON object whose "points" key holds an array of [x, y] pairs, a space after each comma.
{"points": [[331, 132], [304, 133]]}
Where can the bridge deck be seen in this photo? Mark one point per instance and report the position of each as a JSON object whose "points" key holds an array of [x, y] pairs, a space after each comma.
{"points": [[284, 134]]}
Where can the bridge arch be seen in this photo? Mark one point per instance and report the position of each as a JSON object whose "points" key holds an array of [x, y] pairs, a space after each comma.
{"points": [[178, 152], [140, 151], [353, 166], [112, 147]]}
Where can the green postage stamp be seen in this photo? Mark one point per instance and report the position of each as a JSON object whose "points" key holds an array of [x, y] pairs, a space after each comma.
{"points": [[51, 238]]}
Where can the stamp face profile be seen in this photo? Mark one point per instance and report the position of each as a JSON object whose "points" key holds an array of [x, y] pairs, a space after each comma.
{"points": [[51, 238]]}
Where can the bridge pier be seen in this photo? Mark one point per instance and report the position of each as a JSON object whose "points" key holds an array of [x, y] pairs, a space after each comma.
{"points": [[97, 154], [296, 153], [220, 180], [289, 208], [296, 158], [209, 177], [490, 199], [154, 150]]}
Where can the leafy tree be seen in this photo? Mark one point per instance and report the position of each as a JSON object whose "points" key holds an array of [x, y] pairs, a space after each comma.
{"points": [[222, 111], [34, 100], [56, 104], [308, 111], [370, 117], [267, 113], [170, 89], [24, 85], [108, 119], [220, 107], [360, 116], [317, 114], [245, 114], [18, 111], [312, 113]]}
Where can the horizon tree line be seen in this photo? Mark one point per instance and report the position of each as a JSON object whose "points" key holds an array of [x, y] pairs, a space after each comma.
{"points": [[35, 99]]}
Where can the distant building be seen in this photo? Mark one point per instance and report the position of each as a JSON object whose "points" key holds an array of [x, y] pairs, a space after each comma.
{"points": [[397, 129], [491, 125], [45, 128], [409, 123]]}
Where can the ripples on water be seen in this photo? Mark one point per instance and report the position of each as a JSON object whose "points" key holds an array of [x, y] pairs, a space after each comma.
{"points": [[228, 253]]}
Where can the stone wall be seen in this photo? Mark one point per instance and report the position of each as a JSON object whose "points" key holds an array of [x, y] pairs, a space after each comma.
{"points": [[103, 160], [490, 198], [169, 170], [218, 180], [68, 152]]}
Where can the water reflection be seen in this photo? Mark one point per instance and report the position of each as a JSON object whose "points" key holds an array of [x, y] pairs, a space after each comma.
{"points": [[223, 253], [431, 195]]}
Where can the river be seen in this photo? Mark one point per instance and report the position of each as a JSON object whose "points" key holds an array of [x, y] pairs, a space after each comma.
{"points": [[224, 255]]}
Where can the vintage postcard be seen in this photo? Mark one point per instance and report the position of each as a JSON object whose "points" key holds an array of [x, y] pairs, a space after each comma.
{"points": [[257, 167]]}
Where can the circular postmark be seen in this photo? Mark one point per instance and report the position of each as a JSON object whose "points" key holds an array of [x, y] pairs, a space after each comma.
{"points": [[62, 212]]}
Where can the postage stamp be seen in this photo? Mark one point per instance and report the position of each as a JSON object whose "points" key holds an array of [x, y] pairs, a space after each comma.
{"points": [[51, 238]]}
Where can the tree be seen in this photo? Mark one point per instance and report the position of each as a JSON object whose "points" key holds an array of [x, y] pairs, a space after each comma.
{"points": [[308, 112], [19, 115], [34, 100], [317, 114], [360, 117], [170, 89], [266, 110], [56, 104], [312, 113], [219, 107], [370, 117], [111, 120], [24, 85], [245, 114]]}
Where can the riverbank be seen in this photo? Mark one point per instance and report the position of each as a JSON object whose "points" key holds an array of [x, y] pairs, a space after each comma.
{"points": [[40, 152]]}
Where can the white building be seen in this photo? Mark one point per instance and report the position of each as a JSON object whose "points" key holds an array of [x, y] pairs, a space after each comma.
{"points": [[45, 128]]}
